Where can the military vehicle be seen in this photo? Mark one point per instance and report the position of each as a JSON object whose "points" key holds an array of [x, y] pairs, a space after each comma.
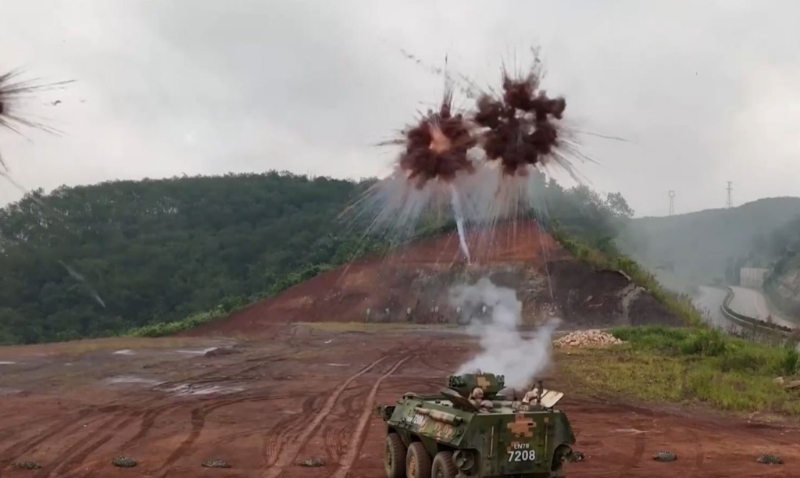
{"points": [[454, 435]]}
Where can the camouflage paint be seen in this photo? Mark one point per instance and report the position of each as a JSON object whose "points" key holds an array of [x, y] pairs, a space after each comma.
{"points": [[506, 441]]}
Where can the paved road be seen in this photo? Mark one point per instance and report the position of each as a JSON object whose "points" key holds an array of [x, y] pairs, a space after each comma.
{"points": [[709, 301], [752, 303]]}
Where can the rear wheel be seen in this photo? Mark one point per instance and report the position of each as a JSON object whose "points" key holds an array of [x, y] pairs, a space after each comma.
{"points": [[443, 466], [394, 456], [418, 461]]}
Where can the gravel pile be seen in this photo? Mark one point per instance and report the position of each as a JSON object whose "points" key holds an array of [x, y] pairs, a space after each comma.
{"points": [[587, 338]]}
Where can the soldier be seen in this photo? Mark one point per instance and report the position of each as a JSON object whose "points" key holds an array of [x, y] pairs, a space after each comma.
{"points": [[531, 395], [476, 397]]}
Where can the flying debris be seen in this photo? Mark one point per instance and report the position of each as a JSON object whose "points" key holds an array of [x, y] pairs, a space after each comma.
{"points": [[479, 160], [13, 92], [520, 127], [436, 147]]}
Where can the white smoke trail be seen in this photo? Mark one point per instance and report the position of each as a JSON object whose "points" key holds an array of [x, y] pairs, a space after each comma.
{"points": [[462, 239], [505, 350]]}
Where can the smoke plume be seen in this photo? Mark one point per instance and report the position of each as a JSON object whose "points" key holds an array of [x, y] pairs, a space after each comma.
{"points": [[477, 162], [494, 317]]}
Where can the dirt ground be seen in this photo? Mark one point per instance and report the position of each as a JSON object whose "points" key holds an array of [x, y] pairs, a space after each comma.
{"points": [[307, 392]]}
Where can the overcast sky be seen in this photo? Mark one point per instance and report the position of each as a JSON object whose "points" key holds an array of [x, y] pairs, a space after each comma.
{"points": [[704, 92]]}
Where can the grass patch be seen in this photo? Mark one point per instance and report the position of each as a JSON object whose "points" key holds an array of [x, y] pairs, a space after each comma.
{"points": [[692, 364], [79, 347], [161, 329]]}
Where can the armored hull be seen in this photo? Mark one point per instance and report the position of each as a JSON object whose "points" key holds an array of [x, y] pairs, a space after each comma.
{"points": [[449, 436]]}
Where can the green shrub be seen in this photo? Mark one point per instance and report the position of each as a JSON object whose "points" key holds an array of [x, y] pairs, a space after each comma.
{"points": [[720, 352]]}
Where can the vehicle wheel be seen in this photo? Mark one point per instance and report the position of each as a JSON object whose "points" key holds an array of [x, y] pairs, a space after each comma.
{"points": [[443, 466], [394, 456], [418, 461]]}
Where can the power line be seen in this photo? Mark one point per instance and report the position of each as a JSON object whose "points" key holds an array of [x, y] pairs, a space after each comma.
{"points": [[671, 202], [730, 200]]}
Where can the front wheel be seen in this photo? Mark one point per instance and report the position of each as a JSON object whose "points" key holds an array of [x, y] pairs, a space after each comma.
{"points": [[394, 456], [443, 466]]}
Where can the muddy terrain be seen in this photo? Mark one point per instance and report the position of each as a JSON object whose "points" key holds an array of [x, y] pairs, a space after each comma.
{"points": [[412, 283], [306, 393], [294, 380]]}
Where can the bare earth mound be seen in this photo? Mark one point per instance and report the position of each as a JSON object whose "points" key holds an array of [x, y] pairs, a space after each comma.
{"points": [[411, 285]]}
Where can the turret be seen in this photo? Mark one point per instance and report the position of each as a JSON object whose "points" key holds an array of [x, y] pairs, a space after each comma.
{"points": [[490, 383]]}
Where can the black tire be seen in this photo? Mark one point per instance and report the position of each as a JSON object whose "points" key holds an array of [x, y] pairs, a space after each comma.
{"points": [[443, 466], [418, 461], [394, 456]]}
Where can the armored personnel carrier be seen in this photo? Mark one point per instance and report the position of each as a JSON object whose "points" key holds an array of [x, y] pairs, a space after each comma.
{"points": [[458, 434]]}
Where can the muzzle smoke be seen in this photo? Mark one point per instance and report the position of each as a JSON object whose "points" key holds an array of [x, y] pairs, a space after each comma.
{"points": [[494, 315]]}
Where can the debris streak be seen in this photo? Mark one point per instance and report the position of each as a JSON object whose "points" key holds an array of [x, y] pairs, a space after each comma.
{"points": [[478, 160]]}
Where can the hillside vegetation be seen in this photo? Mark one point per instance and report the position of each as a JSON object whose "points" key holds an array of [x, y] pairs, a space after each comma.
{"points": [[779, 253], [101, 260], [689, 250]]}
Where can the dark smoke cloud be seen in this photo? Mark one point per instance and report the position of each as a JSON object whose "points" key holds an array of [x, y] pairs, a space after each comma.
{"points": [[518, 128], [437, 146]]}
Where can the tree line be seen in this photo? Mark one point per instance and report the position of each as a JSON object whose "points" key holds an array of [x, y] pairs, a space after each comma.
{"points": [[98, 260]]}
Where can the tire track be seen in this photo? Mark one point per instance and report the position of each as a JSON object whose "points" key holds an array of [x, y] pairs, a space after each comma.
{"points": [[148, 420], [338, 429], [198, 416], [73, 457], [71, 425], [275, 442], [24, 446], [150, 415], [294, 448], [67, 457], [357, 439], [198, 421], [69, 460], [700, 453], [640, 443]]}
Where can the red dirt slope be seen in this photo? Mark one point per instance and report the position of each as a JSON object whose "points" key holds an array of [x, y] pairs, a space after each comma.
{"points": [[411, 284]]}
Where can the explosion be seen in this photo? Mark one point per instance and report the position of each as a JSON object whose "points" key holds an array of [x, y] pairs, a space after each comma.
{"points": [[479, 160], [437, 146], [516, 129], [520, 128], [13, 93]]}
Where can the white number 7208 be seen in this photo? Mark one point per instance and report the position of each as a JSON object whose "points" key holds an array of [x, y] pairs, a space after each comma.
{"points": [[522, 455]]}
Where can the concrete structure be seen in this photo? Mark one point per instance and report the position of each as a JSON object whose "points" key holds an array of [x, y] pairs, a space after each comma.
{"points": [[752, 277]]}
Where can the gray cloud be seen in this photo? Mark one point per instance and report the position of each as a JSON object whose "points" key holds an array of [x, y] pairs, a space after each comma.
{"points": [[704, 91]]}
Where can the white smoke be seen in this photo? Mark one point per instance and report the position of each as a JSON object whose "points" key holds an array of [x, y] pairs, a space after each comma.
{"points": [[494, 317]]}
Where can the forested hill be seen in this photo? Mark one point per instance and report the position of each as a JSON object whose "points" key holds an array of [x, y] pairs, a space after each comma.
{"points": [[99, 260], [689, 250], [779, 253]]}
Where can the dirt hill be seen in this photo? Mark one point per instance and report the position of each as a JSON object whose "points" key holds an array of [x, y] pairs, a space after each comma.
{"points": [[411, 285]]}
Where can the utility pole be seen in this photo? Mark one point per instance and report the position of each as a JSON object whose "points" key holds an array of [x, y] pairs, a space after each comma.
{"points": [[730, 201], [671, 202]]}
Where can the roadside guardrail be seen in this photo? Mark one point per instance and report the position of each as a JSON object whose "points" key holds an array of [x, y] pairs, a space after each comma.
{"points": [[749, 322]]}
